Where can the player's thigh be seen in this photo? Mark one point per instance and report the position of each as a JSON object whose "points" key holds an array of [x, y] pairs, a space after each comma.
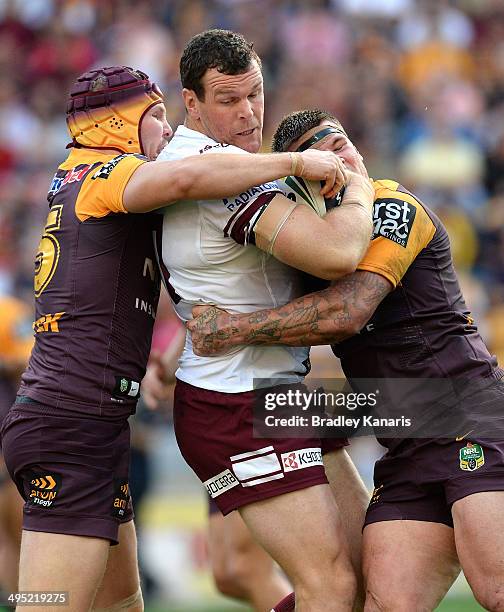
{"points": [[121, 581], [302, 531], [479, 534], [62, 563], [408, 565]]}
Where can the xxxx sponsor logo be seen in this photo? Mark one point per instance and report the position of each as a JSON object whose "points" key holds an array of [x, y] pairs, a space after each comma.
{"points": [[44, 489], [106, 169], [302, 458]]}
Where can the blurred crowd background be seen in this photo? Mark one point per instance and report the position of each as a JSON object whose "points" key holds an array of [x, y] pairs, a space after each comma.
{"points": [[419, 85]]}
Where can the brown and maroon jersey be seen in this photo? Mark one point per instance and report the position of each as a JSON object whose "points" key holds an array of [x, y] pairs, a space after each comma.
{"points": [[423, 328], [96, 288]]}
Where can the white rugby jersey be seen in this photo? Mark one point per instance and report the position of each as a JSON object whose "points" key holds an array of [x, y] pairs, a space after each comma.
{"points": [[208, 257]]}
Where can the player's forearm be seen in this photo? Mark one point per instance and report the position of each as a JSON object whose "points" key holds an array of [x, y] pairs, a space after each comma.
{"points": [[219, 175], [324, 317], [353, 223], [318, 318], [208, 177]]}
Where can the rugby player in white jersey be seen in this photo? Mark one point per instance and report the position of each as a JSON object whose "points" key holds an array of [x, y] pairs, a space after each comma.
{"points": [[221, 252]]}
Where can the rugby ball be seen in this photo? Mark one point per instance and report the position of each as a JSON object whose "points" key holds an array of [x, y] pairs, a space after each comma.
{"points": [[308, 192]]}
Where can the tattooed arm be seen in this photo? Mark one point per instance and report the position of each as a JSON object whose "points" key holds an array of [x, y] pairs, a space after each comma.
{"points": [[324, 317]]}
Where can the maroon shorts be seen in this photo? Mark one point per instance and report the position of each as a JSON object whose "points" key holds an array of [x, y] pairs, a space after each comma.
{"points": [[215, 435], [72, 472], [327, 445], [421, 479]]}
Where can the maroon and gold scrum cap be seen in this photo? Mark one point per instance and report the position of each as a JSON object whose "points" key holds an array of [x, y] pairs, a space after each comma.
{"points": [[106, 106]]}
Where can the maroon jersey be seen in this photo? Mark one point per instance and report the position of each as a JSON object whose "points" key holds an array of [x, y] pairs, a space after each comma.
{"points": [[423, 328], [97, 290]]}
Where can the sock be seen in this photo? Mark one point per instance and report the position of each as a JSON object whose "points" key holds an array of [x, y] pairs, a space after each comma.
{"points": [[287, 604]]}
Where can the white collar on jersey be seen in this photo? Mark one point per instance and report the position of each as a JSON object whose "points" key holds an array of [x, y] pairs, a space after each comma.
{"points": [[186, 132]]}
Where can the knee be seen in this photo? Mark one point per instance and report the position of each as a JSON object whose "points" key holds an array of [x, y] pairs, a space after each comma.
{"points": [[234, 575], [228, 583], [395, 602], [335, 582]]}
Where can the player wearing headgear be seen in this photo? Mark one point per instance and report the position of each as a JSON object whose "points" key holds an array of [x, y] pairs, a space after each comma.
{"points": [[66, 439], [400, 322]]}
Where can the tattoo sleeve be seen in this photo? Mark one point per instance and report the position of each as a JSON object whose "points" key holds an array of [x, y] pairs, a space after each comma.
{"points": [[323, 317]]}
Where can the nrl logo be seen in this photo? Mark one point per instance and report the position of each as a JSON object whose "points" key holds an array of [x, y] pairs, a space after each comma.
{"points": [[471, 457]]}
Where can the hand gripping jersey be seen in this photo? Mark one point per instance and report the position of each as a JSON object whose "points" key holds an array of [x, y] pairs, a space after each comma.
{"points": [[208, 249], [422, 329], [96, 288]]}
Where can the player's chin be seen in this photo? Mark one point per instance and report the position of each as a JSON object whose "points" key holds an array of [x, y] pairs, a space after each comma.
{"points": [[249, 141], [161, 147]]}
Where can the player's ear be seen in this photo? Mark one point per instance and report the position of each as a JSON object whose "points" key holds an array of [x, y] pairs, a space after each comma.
{"points": [[191, 103]]}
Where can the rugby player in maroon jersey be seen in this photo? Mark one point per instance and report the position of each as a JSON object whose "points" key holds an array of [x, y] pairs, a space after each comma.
{"points": [[401, 315], [66, 439]]}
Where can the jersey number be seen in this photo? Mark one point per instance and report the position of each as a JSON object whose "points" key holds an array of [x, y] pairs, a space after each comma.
{"points": [[48, 252]]}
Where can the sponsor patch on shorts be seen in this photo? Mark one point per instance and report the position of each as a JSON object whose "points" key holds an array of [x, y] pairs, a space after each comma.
{"points": [[302, 458], [121, 498], [43, 488], [217, 485]]}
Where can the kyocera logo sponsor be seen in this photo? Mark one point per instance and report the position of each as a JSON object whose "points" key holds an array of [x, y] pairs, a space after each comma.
{"points": [[300, 459], [393, 219], [217, 485]]}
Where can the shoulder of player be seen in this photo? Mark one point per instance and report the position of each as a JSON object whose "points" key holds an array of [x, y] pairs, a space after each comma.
{"points": [[93, 157], [387, 189], [186, 142], [102, 187], [398, 213]]}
